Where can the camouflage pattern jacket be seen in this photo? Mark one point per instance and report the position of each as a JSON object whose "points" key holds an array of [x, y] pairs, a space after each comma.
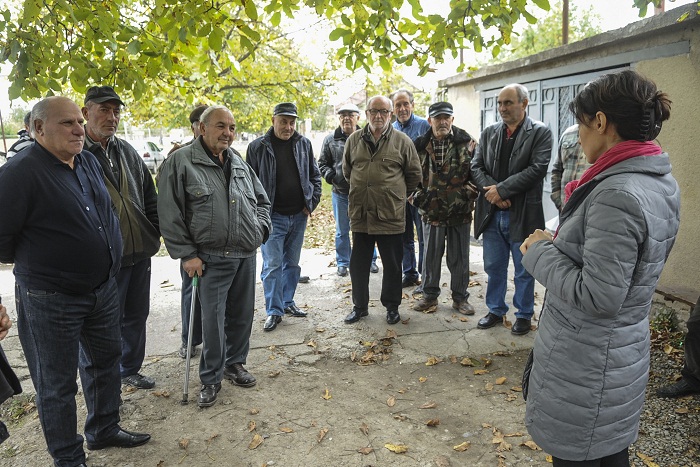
{"points": [[446, 194]]}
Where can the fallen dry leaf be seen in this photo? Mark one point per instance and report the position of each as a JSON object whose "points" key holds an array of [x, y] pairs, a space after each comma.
{"points": [[365, 450], [422, 379], [488, 386], [327, 395], [548, 458], [183, 443], [274, 374], [433, 422], [517, 389], [485, 425], [463, 319], [462, 447], [481, 372], [487, 362], [364, 429], [511, 397], [254, 411], [320, 329], [399, 417], [682, 410], [251, 425], [453, 358], [428, 405], [433, 361], [255, 442], [311, 343], [668, 349], [405, 321], [391, 401], [286, 429], [500, 380], [402, 391], [532, 445], [321, 434], [391, 334], [397, 448], [161, 393], [504, 446], [466, 362], [512, 435], [506, 323]]}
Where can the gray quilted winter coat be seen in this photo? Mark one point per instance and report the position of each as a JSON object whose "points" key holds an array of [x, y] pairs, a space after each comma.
{"points": [[591, 354]]}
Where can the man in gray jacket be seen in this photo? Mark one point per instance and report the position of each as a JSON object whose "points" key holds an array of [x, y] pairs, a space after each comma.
{"points": [[214, 211], [509, 168], [133, 194]]}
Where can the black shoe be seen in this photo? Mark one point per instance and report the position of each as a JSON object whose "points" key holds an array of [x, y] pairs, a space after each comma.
{"points": [[139, 381], [120, 439], [207, 395], [392, 316], [678, 389], [342, 271], [304, 279], [409, 282], [271, 322], [183, 351], [295, 311], [489, 321], [355, 316], [239, 375], [374, 268], [521, 326]]}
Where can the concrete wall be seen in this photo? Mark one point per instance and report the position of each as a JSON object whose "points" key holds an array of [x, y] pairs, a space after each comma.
{"points": [[665, 50]]}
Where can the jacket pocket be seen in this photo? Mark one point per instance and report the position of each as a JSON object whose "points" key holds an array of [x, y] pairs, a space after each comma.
{"points": [[200, 203], [250, 232], [391, 206]]}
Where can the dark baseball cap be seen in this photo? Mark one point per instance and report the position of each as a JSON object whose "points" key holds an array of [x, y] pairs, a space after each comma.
{"points": [[285, 108], [196, 114], [100, 94], [440, 108]]}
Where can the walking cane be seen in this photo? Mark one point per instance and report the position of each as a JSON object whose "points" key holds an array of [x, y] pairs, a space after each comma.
{"points": [[195, 286]]}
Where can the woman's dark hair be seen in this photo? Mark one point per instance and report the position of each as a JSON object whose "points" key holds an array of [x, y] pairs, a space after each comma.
{"points": [[629, 101]]}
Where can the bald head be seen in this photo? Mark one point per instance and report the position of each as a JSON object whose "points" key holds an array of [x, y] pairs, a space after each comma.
{"points": [[57, 124]]}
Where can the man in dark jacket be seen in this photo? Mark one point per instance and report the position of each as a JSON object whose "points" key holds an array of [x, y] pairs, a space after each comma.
{"points": [[9, 384], [690, 382], [284, 162], [25, 138], [58, 227], [445, 200], [330, 163], [214, 211], [133, 193], [509, 168]]}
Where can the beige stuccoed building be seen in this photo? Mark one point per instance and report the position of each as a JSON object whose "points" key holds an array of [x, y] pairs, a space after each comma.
{"points": [[666, 49]]}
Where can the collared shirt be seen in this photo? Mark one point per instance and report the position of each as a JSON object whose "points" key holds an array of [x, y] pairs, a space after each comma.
{"points": [[414, 127], [440, 147], [109, 154]]}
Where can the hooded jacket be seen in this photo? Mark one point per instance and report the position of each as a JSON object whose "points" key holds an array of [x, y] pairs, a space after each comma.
{"points": [[591, 354]]}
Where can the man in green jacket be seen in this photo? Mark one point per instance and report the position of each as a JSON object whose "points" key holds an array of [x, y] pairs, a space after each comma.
{"points": [[381, 165], [445, 201]]}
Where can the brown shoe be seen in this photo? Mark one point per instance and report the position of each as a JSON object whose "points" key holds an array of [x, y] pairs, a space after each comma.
{"points": [[426, 305], [464, 307]]}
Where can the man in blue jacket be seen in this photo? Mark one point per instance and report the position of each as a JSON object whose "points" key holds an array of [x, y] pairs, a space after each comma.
{"points": [[58, 227], [509, 167], [284, 162]]}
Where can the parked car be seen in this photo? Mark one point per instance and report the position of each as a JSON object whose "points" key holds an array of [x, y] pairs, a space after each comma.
{"points": [[151, 154]]}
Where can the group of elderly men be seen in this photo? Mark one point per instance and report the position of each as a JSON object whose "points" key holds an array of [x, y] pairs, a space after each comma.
{"points": [[84, 220]]}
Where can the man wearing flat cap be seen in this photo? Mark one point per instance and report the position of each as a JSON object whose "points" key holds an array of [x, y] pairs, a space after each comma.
{"points": [[445, 200], [133, 194], [284, 162], [330, 163]]}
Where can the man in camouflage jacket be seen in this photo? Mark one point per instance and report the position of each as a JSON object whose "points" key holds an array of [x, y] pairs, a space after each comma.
{"points": [[445, 200]]}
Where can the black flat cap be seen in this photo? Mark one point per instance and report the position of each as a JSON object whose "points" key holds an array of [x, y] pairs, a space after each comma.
{"points": [[440, 108], [100, 94], [285, 108]]}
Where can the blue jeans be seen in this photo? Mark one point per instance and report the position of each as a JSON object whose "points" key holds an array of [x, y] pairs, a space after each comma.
{"points": [[63, 333], [408, 262], [497, 251], [343, 248], [227, 295], [280, 270]]}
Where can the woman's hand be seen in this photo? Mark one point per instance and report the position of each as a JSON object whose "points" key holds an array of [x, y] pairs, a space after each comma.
{"points": [[535, 236]]}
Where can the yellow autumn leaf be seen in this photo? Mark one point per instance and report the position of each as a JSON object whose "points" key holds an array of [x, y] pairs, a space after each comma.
{"points": [[286, 429], [428, 405], [532, 445], [668, 349], [481, 372], [548, 458], [501, 380], [462, 447], [327, 395], [311, 343], [488, 387], [466, 362], [391, 401], [397, 448], [433, 361], [321, 434], [422, 379], [254, 411], [682, 410], [251, 425], [255, 442], [433, 422]]}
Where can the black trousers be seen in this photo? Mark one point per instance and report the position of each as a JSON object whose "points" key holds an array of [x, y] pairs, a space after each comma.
{"points": [[391, 251], [621, 459], [691, 369]]}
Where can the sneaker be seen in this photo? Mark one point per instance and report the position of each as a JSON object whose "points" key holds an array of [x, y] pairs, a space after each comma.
{"points": [[304, 279], [139, 381], [426, 305]]}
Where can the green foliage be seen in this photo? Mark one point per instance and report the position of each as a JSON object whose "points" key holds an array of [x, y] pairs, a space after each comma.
{"points": [[546, 33], [14, 122]]}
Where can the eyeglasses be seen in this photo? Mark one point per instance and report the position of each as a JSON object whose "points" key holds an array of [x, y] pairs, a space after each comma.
{"points": [[383, 112]]}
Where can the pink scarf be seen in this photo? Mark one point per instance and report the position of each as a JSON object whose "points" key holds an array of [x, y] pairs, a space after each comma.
{"points": [[618, 153]]}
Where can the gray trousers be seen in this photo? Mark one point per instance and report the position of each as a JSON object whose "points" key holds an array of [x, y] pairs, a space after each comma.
{"points": [[457, 239], [227, 295]]}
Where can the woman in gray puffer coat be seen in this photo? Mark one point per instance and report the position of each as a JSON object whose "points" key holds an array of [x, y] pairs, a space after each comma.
{"points": [[591, 353]]}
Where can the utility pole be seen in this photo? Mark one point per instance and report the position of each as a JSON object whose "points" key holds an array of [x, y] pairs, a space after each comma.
{"points": [[565, 22]]}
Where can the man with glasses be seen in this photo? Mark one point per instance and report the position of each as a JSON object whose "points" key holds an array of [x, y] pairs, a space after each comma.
{"points": [[133, 194], [330, 163], [413, 126], [284, 161], [381, 166], [509, 168]]}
